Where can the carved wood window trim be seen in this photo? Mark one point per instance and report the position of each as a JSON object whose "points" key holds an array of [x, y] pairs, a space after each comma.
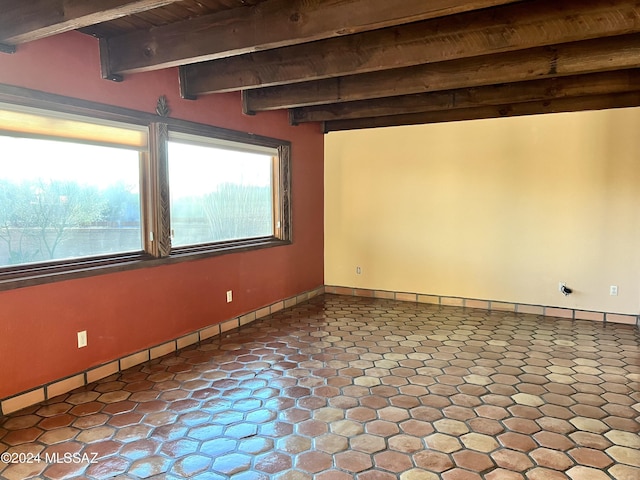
{"points": [[154, 192]]}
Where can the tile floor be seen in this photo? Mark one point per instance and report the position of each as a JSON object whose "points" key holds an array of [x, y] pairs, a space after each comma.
{"points": [[341, 388]]}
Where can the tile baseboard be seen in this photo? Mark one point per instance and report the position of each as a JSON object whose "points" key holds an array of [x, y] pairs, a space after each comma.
{"points": [[80, 379], [542, 310]]}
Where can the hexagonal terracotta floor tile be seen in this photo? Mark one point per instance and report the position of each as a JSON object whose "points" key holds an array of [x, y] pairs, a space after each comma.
{"points": [[512, 460], [353, 461], [392, 461], [433, 461], [342, 387]]}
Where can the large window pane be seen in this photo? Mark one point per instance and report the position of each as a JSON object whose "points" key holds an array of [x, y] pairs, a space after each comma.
{"points": [[219, 194], [83, 190], [64, 200]]}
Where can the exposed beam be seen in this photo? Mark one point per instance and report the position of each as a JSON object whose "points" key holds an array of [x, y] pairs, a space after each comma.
{"points": [[520, 92], [271, 24], [561, 60], [501, 29], [570, 104], [24, 21], [7, 48]]}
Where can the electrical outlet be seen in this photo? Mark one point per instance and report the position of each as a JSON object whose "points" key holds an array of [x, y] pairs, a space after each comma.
{"points": [[229, 296], [82, 339], [613, 290], [561, 285], [358, 271]]}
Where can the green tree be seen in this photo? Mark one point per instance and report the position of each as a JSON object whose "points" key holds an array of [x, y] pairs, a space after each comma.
{"points": [[36, 215], [122, 204], [20, 242], [60, 205], [238, 211]]}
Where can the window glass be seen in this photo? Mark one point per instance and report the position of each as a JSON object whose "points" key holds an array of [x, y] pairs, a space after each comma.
{"points": [[64, 200], [85, 190], [220, 192]]}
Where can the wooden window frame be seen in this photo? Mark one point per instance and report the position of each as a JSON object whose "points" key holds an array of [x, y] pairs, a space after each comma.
{"points": [[154, 193], [211, 136]]}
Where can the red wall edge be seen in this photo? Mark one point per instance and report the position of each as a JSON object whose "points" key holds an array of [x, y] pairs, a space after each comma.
{"points": [[128, 311]]}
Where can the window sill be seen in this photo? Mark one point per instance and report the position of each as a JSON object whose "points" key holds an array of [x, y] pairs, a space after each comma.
{"points": [[39, 274]]}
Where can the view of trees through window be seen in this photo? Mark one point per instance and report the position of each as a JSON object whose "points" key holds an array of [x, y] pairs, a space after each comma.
{"points": [[82, 192], [62, 200], [219, 194]]}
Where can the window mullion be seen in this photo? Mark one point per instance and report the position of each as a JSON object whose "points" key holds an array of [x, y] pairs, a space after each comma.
{"points": [[159, 235]]}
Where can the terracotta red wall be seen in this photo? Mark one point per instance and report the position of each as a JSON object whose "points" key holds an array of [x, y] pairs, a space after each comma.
{"points": [[128, 311]]}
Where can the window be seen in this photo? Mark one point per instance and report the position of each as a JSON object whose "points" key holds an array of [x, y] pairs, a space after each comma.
{"points": [[220, 191], [84, 191], [68, 189], [55, 204]]}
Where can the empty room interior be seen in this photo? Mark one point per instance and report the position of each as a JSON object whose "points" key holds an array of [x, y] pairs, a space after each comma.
{"points": [[320, 240]]}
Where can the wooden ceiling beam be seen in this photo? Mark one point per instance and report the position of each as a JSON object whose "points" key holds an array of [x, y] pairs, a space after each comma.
{"points": [[271, 24], [591, 56], [500, 29], [520, 92], [24, 21], [570, 104]]}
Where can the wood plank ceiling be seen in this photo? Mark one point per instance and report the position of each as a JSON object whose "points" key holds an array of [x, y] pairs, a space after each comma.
{"points": [[363, 63]]}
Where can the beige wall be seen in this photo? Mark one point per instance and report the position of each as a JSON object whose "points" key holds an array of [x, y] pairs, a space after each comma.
{"points": [[499, 209]]}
